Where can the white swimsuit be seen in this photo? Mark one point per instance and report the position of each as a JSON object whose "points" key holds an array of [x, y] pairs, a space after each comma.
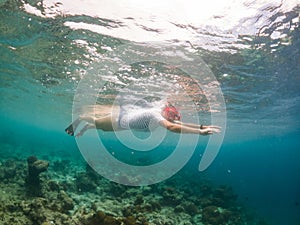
{"points": [[141, 119]]}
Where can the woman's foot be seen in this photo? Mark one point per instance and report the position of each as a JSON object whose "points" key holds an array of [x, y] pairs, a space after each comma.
{"points": [[69, 130], [73, 126]]}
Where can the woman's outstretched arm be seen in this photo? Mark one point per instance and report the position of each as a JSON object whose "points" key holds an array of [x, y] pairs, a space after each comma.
{"points": [[197, 125], [179, 127]]}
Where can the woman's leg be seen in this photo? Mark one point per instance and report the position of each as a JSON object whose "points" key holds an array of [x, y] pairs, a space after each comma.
{"points": [[107, 120], [107, 123], [85, 128], [104, 123]]}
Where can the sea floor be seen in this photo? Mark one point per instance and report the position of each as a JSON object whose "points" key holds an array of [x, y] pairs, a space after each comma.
{"points": [[69, 192]]}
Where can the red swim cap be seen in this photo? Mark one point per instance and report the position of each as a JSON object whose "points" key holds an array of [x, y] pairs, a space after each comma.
{"points": [[171, 112]]}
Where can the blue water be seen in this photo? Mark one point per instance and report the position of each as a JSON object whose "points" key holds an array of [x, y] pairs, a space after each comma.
{"points": [[44, 55]]}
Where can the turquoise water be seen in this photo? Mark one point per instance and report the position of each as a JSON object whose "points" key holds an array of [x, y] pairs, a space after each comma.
{"points": [[46, 49]]}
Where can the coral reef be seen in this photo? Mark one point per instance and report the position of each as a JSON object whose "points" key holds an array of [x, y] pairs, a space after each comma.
{"points": [[87, 180], [32, 181], [216, 216], [75, 194], [101, 218]]}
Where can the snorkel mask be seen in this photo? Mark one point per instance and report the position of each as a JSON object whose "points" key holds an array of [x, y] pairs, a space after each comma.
{"points": [[171, 113]]}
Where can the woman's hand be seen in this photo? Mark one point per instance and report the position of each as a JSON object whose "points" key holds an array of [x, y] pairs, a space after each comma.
{"points": [[207, 130]]}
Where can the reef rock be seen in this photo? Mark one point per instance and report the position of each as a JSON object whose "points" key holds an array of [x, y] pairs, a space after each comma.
{"points": [[35, 167]]}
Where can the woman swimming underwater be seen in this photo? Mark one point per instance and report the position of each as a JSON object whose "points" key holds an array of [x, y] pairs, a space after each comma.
{"points": [[144, 119]]}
